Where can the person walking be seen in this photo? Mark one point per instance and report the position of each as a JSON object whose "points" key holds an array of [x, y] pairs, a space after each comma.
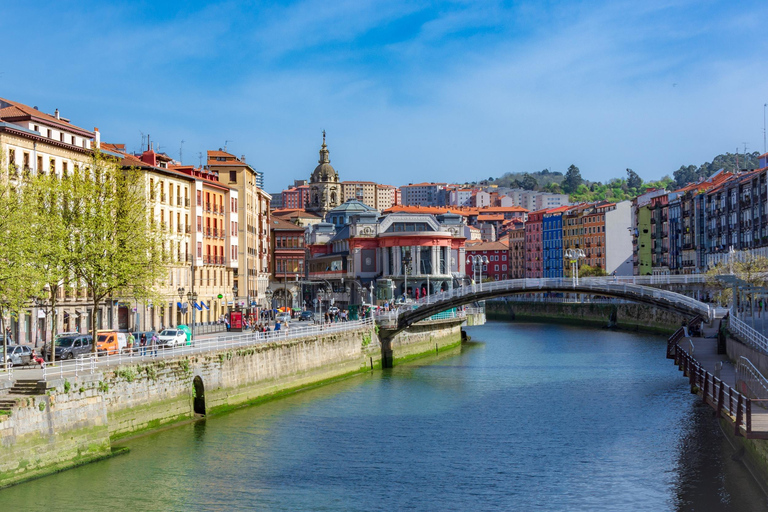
{"points": [[143, 343], [153, 344]]}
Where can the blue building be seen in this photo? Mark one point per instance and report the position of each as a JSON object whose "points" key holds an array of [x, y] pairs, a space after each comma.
{"points": [[552, 242]]}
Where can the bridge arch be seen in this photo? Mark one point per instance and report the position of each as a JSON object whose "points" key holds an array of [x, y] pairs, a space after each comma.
{"points": [[663, 299]]}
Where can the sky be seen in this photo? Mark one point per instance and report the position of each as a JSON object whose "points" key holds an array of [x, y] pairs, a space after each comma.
{"points": [[407, 91]]}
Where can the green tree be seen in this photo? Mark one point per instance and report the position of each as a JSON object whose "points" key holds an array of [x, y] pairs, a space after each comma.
{"points": [[50, 263], [633, 179], [572, 179], [115, 248], [529, 182], [17, 247]]}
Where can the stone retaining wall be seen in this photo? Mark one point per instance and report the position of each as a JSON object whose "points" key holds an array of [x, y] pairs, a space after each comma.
{"points": [[628, 316], [79, 417]]}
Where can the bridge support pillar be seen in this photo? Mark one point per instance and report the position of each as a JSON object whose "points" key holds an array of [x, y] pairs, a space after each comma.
{"points": [[387, 354]]}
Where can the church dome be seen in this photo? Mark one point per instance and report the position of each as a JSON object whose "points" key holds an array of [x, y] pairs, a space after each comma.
{"points": [[325, 171]]}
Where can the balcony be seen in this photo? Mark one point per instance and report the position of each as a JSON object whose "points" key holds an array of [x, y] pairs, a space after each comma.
{"points": [[189, 228], [215, 233], [162, 198], [178, 201], [186, 202]]}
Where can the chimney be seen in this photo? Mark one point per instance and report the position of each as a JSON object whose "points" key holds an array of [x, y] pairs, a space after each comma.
{"points": [[96, 133], [56, 114], [242, 158]]}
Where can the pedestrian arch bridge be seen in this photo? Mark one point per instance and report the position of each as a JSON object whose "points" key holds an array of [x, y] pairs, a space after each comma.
{"points": [[650, 292]]}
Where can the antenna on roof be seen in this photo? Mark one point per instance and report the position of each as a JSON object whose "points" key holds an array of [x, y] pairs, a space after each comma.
{"points": [[200, 156], [227, 142], [181, 147]]}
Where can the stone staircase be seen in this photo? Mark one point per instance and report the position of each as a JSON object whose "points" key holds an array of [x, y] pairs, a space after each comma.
{"points": [[21, 388]]}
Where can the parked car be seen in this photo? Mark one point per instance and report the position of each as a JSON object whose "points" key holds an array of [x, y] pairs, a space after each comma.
{"points": [[110, 342], [307, 315], [172, 338], [70, 347], [283, 318], [17, 354]]}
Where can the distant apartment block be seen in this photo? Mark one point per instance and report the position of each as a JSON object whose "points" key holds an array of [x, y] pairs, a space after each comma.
{"points": [[424, 194]]}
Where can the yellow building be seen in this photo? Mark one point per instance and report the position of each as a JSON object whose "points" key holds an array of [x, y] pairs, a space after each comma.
{"points": [[251, 275]]}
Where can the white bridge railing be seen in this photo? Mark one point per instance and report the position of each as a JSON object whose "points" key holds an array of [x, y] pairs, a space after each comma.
{"points": [[595, 286], [90, 363]]}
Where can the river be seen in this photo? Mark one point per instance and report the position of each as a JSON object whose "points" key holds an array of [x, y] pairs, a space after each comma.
{"points": [[525, 417]]}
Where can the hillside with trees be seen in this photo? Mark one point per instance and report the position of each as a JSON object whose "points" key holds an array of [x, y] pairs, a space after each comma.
{"points": [[618, 189]]}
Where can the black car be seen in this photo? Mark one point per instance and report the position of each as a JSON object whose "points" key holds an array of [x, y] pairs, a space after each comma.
{"points": [[72, 346], [307, 315]]}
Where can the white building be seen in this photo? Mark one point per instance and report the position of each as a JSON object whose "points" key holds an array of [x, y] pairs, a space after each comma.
{"points": [[618, 239]]}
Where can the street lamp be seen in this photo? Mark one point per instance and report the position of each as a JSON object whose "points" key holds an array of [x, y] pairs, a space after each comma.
{"points": [[574, 255], [406, 270], [180, 291], [268, 296], [192, 300], [477, 263], [320, 297]]}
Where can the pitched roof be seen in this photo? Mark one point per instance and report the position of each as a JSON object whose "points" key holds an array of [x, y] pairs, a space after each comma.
{"points": [[16, 110], [486, 246], [282, 224]]}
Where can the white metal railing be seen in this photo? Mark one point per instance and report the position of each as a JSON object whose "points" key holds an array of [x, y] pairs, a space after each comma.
{"points": [[597, 286], [565, 300], [471, 310], [752, 378], [89, 363], [747, 334], [6, 370]]}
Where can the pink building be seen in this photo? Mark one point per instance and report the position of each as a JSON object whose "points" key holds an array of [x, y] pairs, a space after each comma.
{"points": [[534, 249]]}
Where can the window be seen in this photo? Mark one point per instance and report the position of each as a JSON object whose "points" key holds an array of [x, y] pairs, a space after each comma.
{"points": [[232, 176], [199, 223], [50, 133], [199, 198], [39, 164]]}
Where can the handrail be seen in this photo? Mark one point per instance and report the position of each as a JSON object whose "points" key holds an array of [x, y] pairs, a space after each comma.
{"points": [[747, 373], [90, 362], [747, 334]]}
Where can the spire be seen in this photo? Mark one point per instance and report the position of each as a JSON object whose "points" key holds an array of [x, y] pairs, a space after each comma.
{"points": [[324, 159]]}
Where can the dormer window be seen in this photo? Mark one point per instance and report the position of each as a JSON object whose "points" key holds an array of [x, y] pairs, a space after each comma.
{"points": [[50, 133]]}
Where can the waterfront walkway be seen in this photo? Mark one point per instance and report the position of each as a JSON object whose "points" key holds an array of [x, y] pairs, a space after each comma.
{"points": [[717, 380]]}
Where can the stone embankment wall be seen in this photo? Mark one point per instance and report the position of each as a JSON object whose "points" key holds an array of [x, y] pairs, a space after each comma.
{"points": [[57, 430], [426, 338], [628, 316], [76, 419]]}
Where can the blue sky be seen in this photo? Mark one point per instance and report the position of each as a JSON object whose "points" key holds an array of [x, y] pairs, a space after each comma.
{"points": [[407, 91]]}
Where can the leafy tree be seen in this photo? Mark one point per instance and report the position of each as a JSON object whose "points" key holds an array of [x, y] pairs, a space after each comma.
{"points": [[50, 264], [17, 246], [750, 269], [633, 179], [572, 179], [114, 248], [529, 182]]}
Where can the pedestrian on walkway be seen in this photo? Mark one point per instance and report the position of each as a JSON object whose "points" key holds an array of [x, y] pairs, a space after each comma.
{"points": [[153, 344], [131, 341], [143, 343]]}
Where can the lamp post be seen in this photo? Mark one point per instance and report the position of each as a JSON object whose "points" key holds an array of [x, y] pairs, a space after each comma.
{"points": [[268, 296], [574, 255], [406, 271], [192, 300], [477, 262], [320, 297], [180, 291]]}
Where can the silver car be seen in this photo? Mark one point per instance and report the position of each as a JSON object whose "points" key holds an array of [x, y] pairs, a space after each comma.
{"points": [[17, 354]]}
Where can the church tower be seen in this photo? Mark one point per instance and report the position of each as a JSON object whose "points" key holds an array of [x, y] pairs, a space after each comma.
{"points": [[324, 188]]}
